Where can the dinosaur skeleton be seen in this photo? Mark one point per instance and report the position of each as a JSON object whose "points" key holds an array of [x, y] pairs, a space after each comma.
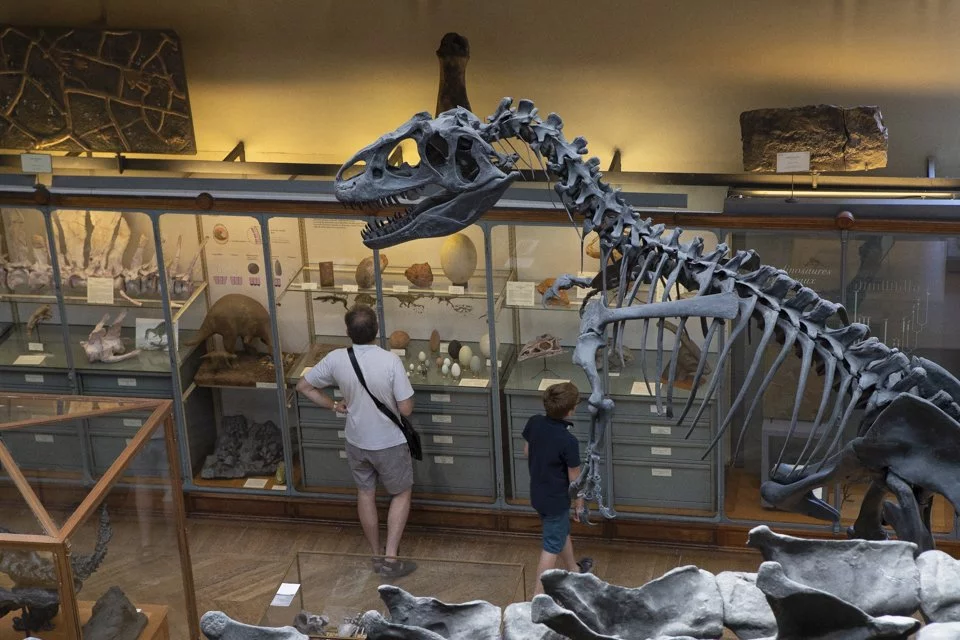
{"points": [[908, 439]]}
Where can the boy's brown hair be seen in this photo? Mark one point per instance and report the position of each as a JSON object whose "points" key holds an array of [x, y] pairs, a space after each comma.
{"points": [[559, 399]]}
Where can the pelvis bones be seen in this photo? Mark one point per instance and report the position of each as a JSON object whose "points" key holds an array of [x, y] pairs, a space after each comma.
{"points": [[92, 244], [106, 345]]}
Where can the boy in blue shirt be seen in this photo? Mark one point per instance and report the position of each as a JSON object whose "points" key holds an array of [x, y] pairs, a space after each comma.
{"points": [[553, 455]]}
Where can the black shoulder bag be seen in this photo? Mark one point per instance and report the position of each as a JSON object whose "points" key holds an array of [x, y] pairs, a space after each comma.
{"points": [[413, 438]]}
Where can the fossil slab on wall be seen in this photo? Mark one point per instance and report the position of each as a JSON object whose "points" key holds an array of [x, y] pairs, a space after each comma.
{"points": [[116, 90], [838, 138]]}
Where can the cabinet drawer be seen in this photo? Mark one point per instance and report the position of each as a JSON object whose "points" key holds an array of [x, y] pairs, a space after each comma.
{"points": [[329, 433], [581, 428], [120, 423], [467, 472], [521, 477], [35, 381], [476, 422], [311, 414], [428, 401], [454, 439], [649, 484], [48, 448], [639, 449], [118, 384], [106, 448], [325, 466], [533, 404]]}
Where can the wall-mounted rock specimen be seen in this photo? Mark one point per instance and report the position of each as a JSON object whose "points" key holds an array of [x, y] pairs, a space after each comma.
{"points": [[113, 90], [838, 138]]}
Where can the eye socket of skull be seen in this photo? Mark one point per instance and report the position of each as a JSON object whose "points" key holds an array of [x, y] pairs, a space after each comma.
{"points": [[467, 167], [436, 150]]}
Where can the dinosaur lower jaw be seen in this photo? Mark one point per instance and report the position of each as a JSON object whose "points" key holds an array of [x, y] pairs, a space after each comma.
{"points": [[384, 232]]}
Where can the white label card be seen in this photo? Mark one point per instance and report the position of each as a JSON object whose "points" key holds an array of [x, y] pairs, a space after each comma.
{"points": [[36, 378], [35, 346], [99, 290], [255, 483], [520, 293], [43, 438], [341, 415], [549, 382], [351, 288], [343, 454], [402, 353], [439, 397], [661, 431], [278, 487], [443, 459], [499, 363], [641, 388], [441, 419], [36, 163], [614, 374], [793, 162], [266, 385], [475, 382], [661, 473], [285, 595], [444, 346], [309, 286], [401, 288], [661, 451], [456, 289], [342, 435], [31, 360], [132, 422], [443, 439], [126, 382]]}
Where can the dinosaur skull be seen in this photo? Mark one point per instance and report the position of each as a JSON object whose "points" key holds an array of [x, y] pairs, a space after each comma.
{"points": [[466, 174]]}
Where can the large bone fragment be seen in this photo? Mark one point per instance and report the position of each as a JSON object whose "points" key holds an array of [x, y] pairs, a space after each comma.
{"points": [[838, 138]]}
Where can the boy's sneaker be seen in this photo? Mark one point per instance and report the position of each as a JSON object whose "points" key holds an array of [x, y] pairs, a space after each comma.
{"points": [[585, 565], [377, 562], [397, 568]]}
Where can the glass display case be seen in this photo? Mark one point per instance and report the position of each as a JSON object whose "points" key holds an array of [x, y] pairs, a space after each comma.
{"points": [[342, 587], [654, 467], [473, 298], [79, 558]]}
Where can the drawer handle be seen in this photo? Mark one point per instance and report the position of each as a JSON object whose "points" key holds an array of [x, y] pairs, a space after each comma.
{"points": [[661, 431], [343, 454], [439, 397], [126, 382], [443, 459], [43, 438], [661, 473], [661, 451], [443, 439], [441, 419]]}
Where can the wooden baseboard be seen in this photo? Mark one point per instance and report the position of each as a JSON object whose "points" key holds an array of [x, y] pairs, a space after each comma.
{"points": [[485, 519]]}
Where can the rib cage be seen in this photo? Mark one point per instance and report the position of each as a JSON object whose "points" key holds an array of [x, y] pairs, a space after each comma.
{"points": [[859, 371]]}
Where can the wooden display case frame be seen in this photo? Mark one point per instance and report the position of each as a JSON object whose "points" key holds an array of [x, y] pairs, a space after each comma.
{"points": [[56, 540]]}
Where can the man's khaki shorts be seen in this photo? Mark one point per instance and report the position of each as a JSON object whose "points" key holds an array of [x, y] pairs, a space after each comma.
{"points": [[393, 466]]}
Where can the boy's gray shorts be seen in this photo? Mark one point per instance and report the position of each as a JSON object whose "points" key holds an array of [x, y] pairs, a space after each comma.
{"points": [[393, 466]]}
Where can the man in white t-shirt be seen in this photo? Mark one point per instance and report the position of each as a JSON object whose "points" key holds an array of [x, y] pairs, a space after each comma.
{"points": [[376, 448]]}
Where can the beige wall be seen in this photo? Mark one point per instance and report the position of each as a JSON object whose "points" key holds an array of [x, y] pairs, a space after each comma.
{"points": [[312, 80]]}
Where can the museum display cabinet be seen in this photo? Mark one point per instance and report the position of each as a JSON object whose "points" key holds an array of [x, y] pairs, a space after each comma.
{"points": [[470, 305], [68, 543], [341, 587]]}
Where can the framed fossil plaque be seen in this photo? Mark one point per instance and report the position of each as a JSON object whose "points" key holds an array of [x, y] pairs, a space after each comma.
{"points": [[114, 90]]}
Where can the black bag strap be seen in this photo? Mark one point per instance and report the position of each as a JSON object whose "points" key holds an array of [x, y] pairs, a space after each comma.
{"points": [[383, 408]]}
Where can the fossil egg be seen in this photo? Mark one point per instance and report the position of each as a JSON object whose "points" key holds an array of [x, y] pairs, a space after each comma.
{"points": [[454, 348], [422, 357], [399, 339], [447, 361], [445, 369], [475, 364], [458, 258], [455, 370], [464, 356], [439, 362]]}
